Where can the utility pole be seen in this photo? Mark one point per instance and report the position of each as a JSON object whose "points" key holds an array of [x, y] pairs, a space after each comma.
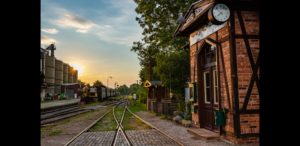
{"points": [[107, 80]]}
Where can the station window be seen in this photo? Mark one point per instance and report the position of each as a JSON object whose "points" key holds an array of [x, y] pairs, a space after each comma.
{"points": [[206, 77], [216, 88]]}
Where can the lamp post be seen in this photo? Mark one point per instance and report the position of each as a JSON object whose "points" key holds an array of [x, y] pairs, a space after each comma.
{"points": [[107, 80]]}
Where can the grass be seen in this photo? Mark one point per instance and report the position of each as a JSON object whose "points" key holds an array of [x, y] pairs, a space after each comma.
{"points": [[129, 122], [55, 132], [137, 106], [57, 126], [50, 131], [163, 117], [132, 123], [106, 124], [129, 97]]}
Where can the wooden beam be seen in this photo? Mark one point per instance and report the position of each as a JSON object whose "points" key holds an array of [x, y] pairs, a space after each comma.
{"points": [[211, 41], [234, 77], [218, 78], [250, 86], [223, 39], [254, 66], [225, 76], [249, 52]]}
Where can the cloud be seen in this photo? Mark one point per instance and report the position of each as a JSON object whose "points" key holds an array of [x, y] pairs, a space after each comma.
{"points": [[114, 24], [107, 26], [80, 24], [118, 29], [47, 41], [50, 30]]}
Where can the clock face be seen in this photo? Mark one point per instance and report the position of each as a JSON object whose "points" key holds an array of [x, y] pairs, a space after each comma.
{"points": [[221, 12]]}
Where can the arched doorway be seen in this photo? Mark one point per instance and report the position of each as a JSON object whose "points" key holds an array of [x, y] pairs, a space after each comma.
{"points": [[208, 86]]}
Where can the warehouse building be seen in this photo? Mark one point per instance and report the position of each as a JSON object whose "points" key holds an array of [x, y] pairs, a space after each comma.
{"points": [[55, 73]]}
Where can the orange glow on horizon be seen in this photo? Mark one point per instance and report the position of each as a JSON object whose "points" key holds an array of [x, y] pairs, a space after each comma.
{"points": [[78, 67]]}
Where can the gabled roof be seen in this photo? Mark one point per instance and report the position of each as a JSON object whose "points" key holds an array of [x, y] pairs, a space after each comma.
{"points": [[203, 6]]}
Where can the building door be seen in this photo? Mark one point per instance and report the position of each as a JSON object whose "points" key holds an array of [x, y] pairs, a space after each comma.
{"points": [[208, 86]]}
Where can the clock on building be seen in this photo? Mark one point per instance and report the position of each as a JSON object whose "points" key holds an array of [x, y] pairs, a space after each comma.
{"points": [[219, 13]]}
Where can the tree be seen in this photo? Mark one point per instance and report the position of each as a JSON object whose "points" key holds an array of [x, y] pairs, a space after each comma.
{"points": [[146, 55], [173, 69], [140, 92], [161, 54], [123, 90], [97, 83], [158, 20]]}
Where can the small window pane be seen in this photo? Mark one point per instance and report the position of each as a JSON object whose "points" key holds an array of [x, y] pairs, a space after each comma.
{"points": [[207, 80], [207, 87], [208, 94]]}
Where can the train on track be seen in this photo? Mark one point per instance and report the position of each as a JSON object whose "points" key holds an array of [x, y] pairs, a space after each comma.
{"points": [[94, 93]]}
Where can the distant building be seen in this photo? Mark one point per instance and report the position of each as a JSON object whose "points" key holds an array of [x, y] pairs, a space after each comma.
{"points": [[158, 98], [55, 72]]}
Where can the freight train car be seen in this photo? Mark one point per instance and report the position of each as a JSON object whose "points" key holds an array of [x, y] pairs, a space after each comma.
{"points": [[108, 92], [101, 93]]}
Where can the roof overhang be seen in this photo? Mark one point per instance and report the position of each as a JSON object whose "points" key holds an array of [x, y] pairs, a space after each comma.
{"points": [[195, 17], [69, 84]]}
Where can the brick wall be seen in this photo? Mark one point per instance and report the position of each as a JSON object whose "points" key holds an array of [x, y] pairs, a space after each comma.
{"points": [[249, 123]]}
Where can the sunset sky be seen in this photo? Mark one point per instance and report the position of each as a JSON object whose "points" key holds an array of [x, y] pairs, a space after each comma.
{"points": [[94, 36]]}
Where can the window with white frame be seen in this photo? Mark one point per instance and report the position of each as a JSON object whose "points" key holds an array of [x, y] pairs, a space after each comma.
{"points": [[206, 77], [216, 89]]}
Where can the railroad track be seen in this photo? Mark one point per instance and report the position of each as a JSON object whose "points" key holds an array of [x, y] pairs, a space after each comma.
{"points": [[91, 125], [119, 136], [62, 112], [120, 128]]}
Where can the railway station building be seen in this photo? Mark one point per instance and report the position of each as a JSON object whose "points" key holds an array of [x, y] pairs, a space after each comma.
{"points": [[224, 67]]}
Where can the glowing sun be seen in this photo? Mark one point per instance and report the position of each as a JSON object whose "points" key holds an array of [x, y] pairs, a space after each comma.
{"points": [[78, 67]]}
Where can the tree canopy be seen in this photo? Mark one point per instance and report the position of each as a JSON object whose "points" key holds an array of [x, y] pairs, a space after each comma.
{"points": [[161, 55], [97, 83]]}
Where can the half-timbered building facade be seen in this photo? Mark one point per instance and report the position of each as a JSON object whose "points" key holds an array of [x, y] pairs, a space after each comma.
{"points": [[224, 66]]}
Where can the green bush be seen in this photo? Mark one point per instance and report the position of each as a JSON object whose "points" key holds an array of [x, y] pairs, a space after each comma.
{"points": [[187, 114], [181, 103]]}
